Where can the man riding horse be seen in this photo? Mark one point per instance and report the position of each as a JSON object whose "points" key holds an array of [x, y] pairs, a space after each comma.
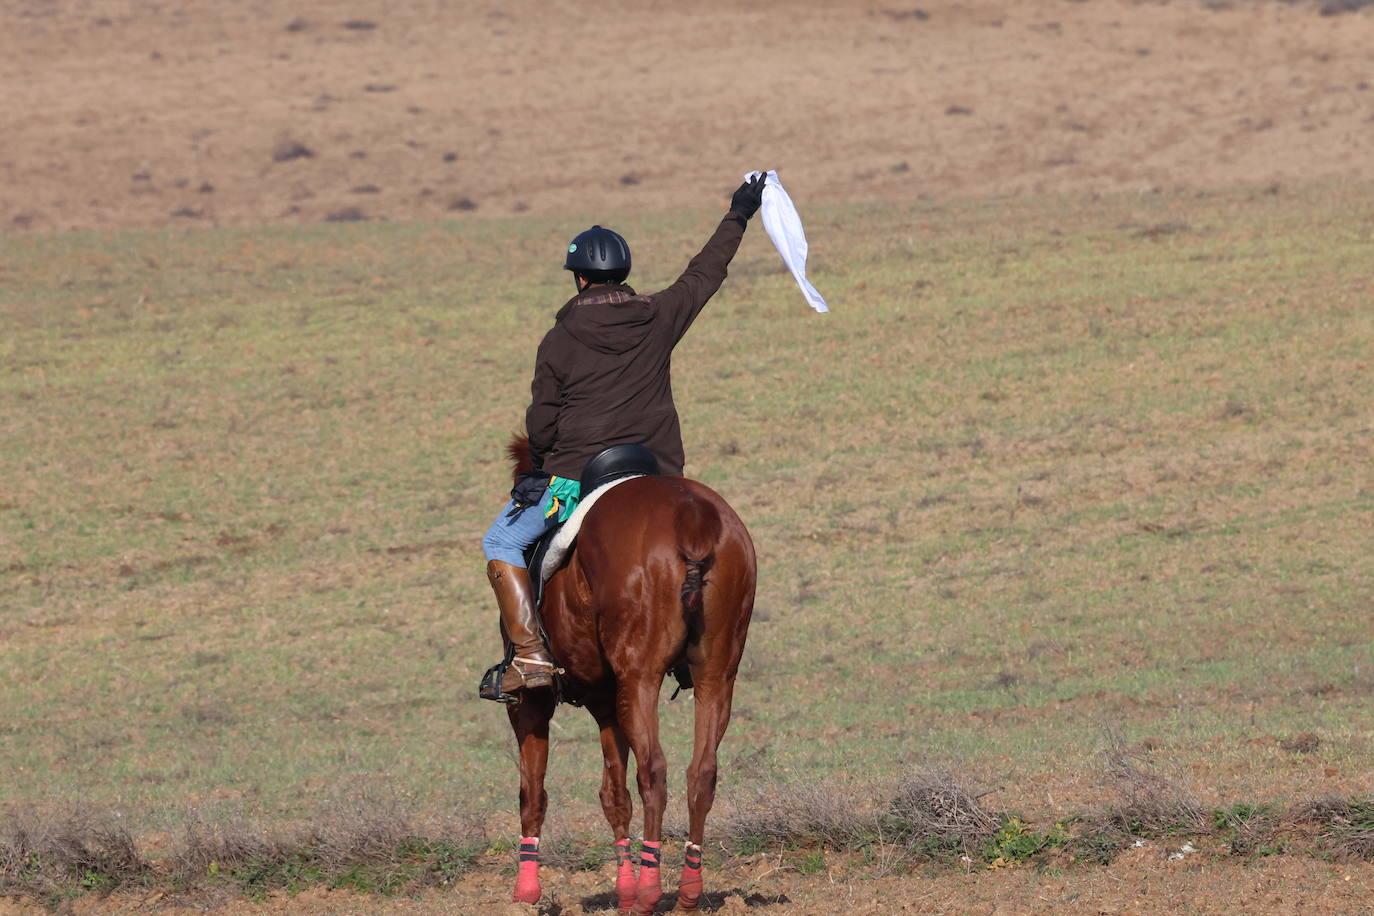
{"points": [[601, 378]]}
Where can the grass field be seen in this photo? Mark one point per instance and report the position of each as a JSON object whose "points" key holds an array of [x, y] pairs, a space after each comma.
{"points": [[1054, 468]]}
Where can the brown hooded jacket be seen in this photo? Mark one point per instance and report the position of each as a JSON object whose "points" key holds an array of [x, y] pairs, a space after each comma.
{"points": [[601, 376]]}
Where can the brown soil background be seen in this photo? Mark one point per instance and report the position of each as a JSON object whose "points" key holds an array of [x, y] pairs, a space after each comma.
{"points": [[120, 114], [124, 114]]}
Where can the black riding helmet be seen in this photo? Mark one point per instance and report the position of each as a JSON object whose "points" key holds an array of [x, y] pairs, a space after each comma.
{"points": [[599, 254]]}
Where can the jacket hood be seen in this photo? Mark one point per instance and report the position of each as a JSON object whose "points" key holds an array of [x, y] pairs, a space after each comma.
{"points": [[608, 320]]}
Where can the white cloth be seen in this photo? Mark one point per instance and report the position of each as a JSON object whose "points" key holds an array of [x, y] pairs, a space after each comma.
{"points": [[783, 225]]}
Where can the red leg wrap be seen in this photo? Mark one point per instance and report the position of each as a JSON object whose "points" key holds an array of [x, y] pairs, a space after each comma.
{"points": [[626, 882], [689, 888], [650, 884], [527, 888]]}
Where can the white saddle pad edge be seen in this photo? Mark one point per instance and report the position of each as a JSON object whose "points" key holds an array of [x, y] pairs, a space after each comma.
{"points": [[563, 540]]}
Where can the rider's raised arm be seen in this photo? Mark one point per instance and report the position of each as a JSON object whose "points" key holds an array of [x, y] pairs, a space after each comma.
{"points": [[541, 419], [680, 303]]}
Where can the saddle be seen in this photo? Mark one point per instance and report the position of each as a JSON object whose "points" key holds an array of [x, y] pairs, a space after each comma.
{"points": [[608, 465]]}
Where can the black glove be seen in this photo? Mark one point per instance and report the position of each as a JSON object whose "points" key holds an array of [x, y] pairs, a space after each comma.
{"points": [[527, 491], [748, 196]]}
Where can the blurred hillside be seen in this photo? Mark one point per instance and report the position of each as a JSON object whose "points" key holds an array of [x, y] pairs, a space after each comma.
{"points": [[202, 113]]}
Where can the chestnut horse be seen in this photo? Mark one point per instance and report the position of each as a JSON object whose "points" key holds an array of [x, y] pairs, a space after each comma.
{"points": [[661, 575]]}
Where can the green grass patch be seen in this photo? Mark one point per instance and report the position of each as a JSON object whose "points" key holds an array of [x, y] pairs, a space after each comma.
{"points": [[1016, 842]]}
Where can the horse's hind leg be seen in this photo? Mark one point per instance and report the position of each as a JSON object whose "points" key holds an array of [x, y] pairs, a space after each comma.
{"points": [[637, 708], [712, 697], [530, 721], [615, 797]]}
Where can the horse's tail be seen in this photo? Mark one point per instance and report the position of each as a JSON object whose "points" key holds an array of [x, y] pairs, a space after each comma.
{"points": [[699, 530], [518, 451]]}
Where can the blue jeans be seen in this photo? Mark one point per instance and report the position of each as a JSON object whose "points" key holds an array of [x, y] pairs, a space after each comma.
{"points": [[508, 538]]}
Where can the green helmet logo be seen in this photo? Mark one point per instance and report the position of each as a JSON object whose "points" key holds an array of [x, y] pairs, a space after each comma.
{"points": [[572, 248]]}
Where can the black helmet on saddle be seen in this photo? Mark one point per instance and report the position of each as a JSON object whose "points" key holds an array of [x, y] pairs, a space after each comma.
{"points": [[600, 255]]}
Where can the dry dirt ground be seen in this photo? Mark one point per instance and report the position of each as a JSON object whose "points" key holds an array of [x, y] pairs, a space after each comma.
{"points": [[198, 112], [1142, 881]]}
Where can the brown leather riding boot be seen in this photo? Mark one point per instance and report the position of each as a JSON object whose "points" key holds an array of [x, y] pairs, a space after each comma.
{"points": [[531, 667]]}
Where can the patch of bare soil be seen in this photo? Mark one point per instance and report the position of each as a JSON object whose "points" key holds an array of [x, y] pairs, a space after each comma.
{"points": [[200, 112], [1143, 880]]}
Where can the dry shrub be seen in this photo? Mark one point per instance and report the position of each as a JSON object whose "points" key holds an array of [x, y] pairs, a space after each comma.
{"points": [[40, 855], [929, 815], [802, 814], [370, 847], [335, 838], [931, 810], [1248, 828], [1348, 825], [1151, 804]]}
